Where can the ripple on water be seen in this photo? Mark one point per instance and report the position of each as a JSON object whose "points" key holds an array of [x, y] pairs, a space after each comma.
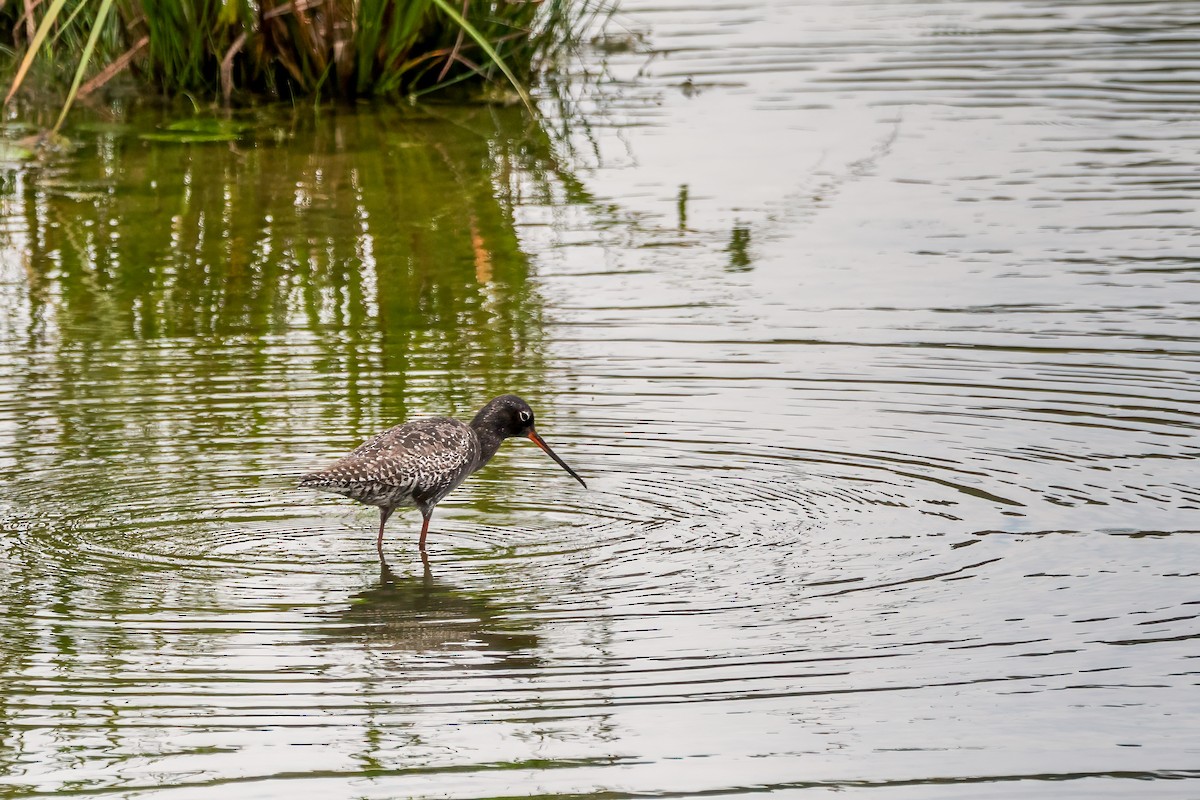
{"points": [[722, 564]]}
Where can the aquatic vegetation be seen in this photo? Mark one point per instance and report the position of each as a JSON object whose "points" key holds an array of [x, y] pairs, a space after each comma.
{"points": [[231, 49]]}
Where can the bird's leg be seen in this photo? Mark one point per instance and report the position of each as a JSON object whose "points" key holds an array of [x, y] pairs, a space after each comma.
{"points": [[425, 528], [384, 513]]}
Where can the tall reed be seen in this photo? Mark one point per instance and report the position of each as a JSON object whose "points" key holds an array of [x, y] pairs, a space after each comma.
{"points": [[287, 48]]}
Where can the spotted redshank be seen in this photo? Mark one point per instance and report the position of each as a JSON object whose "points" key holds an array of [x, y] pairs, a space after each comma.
{"points": [[418, 463]]}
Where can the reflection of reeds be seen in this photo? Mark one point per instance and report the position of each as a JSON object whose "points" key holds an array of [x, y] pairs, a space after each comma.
{"points": [[390, 216], [385, 237], [333, 48]]}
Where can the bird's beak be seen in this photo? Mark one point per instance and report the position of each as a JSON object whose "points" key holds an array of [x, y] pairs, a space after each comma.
{"points": [[540, 442]]}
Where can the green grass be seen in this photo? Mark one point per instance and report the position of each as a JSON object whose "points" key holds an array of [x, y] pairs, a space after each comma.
{"points": [[234, 50]]}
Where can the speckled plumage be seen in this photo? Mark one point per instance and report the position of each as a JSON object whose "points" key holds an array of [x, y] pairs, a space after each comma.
{"points": [[419, 463], [415, 464]]}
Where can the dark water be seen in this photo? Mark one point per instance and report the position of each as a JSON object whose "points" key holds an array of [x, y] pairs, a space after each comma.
{"points": [[873, 327]]}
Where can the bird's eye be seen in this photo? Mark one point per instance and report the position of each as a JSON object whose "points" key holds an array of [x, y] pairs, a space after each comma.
{"points": [[525, 416]]}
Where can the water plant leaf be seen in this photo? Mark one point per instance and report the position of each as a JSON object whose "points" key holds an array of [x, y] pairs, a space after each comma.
{"points": [[187, 137], [40, 36], [208, 125], [198, 129], [11, 151], [84, 58], [487, 48]]}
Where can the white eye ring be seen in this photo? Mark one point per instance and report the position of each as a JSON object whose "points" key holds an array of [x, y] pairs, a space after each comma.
{"points": [[525, 416]]}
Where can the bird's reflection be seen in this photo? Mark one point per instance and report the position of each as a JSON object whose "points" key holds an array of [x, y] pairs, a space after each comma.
{"points": [[420, 613]]}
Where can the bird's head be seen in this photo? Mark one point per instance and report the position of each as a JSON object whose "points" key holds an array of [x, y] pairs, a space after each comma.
{"points": [[508, 416]]}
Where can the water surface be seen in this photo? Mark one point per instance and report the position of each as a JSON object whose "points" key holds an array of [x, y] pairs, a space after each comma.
{"points": [[872, 327]]}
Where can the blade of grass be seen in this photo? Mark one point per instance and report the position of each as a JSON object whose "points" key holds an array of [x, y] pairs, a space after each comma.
{"points": [[34, 46], [487, 48], [84, 58], [65, 26]]}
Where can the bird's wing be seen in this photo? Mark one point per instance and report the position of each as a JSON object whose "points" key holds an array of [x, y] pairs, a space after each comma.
{"points": [[417, 455]]}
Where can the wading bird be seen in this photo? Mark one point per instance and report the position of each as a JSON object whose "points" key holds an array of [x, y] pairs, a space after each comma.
{"points": [[418, 463]]}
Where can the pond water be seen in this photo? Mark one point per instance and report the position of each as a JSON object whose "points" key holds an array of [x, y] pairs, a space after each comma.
{"points": [[872, 326]]}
